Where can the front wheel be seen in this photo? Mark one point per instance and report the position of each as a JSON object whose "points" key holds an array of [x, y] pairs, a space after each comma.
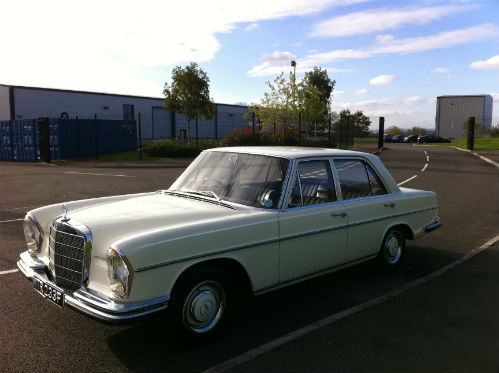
{"points": [[392, 249], [199, 304]]}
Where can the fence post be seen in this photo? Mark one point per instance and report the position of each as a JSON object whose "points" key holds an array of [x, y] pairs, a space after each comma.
{"points": [[197, 134], [471, 133], [43, 138], [341, 128], [299, 128], [253, 132], [329, 130], [216, 121], [140, 137], [96, 137], [381, 132], [78, 137]]}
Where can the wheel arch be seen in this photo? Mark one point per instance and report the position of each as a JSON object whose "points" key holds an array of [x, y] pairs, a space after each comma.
{"points": [[229, 266], [404, 227]]}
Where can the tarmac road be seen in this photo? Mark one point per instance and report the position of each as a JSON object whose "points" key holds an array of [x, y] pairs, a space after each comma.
{"points": [[38, 336]]}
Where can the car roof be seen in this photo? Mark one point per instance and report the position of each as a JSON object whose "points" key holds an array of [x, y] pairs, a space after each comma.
{"points": [[290, 152]]}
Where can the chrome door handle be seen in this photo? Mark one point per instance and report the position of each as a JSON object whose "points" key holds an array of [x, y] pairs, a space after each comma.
{"points": [[339, 214], [391, 204]]}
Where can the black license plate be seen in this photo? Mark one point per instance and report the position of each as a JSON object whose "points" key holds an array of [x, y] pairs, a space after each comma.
{"points": [[49, 291]]}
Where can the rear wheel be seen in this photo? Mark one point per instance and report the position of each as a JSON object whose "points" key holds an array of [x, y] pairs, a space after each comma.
{"points": [[392, 249]]}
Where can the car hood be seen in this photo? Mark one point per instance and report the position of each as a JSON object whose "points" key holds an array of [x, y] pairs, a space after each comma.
{"points": [[116, 221]]}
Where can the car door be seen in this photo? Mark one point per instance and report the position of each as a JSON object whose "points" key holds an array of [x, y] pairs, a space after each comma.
{"points": [[313, 224], [368, 206]]}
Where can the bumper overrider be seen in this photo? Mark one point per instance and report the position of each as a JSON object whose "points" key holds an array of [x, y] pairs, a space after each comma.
{"points": [[435, 225], [89, 304]]}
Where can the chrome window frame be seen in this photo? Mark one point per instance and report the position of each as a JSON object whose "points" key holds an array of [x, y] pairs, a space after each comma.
{"points": [[364, 161]]}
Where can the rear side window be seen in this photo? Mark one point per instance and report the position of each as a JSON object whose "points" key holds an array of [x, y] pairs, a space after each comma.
{"points": [[313, 184], [358, 179]]}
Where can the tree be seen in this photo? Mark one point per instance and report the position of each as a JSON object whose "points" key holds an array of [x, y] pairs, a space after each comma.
{"points": [[359, 121], [394, 130], [189, 94], [416, 131], [280, 106], [316, 90]]}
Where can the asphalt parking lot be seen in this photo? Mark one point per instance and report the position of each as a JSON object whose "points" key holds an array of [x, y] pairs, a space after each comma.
{"points": [[37, 336]]}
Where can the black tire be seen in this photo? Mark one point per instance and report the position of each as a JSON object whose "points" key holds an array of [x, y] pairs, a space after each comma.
{"points": [[392, 249], [199, 304]]}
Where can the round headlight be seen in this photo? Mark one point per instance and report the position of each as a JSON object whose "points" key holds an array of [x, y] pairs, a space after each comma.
{"points": [[118, 272], [33, 234]]}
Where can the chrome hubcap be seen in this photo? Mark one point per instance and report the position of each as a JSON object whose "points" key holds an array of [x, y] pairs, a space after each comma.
{"points": [[393, 248], [204, 306]]}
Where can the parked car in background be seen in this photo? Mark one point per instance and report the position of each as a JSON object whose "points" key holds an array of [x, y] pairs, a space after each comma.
{"points": [[432, 139], [387, 138], [411, 138], [398, 138], [238, 221]]}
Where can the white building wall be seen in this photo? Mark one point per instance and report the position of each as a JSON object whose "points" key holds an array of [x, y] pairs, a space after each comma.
{"points": [[4, 103], [33, 103], [454, 111]]}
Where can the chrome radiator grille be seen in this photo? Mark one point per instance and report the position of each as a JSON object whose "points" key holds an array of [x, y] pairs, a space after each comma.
{"points": [[66, 255]]}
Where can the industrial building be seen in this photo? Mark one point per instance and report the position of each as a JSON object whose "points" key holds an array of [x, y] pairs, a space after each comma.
{"points": [[19, 103], [454, 111]]}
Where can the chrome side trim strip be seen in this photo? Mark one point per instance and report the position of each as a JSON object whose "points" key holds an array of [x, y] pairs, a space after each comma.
{"points": [[367, 257], [173, 261], [236, 248], [392, 216]]}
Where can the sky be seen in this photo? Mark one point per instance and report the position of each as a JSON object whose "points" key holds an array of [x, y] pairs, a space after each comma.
{"points": [[388, 58]]}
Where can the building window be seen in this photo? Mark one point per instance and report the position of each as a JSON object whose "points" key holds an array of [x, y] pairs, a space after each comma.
{"points": [[128, 112]]}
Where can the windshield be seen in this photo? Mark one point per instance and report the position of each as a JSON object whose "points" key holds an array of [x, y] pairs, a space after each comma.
{"points": [[247, 179]]}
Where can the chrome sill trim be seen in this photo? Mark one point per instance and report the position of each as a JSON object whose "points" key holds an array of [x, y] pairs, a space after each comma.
{"points": [[312, 273], [236, 248]]}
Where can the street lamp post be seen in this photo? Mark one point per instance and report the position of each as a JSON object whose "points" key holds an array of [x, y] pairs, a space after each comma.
{"points": [[293, 64]]}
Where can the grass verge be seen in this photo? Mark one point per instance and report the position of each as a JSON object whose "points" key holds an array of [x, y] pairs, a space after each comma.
{"points": [[490, 143]]}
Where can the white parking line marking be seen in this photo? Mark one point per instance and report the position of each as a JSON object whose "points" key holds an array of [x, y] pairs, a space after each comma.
{"points": [[9, 271], [409, 179], [88, 173], [19, 208], [10, 221], [269, 346], [479, 156], [424, 168], [427, 159]]}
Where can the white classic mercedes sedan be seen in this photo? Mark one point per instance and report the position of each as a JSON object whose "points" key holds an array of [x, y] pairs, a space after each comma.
{"points": [[242, 220]]}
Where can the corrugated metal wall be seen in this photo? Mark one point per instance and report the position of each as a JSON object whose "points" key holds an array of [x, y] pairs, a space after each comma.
{"points": [[69, 138], [454, 111]]}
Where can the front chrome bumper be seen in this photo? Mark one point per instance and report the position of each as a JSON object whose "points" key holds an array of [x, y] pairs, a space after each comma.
{"points": [[435, 225], [89, 304]]}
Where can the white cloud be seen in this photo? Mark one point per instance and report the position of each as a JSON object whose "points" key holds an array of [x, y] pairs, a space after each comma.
{"points": [[252, 26], [441, 70], [297, 44], [88, 44], [447, 77], [338, 93], [495, 96], [389, 45], [490, 64], [383, 79], [417, 100], [370, 21], [362, 91], [277, 62], [310, 51]]}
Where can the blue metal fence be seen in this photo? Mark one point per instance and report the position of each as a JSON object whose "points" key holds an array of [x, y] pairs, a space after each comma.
{"points": [[69, 138]]}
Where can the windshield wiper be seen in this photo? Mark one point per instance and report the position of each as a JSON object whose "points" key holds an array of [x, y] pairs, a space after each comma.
{"points": [[204, 193]]}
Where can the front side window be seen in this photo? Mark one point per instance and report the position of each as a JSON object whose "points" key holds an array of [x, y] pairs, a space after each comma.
{"points": [[313, 184], [358, 179], [247, 179]]}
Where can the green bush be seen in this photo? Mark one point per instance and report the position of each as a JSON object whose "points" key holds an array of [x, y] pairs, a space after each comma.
{"points": [[494, 132], [174, 149]]}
